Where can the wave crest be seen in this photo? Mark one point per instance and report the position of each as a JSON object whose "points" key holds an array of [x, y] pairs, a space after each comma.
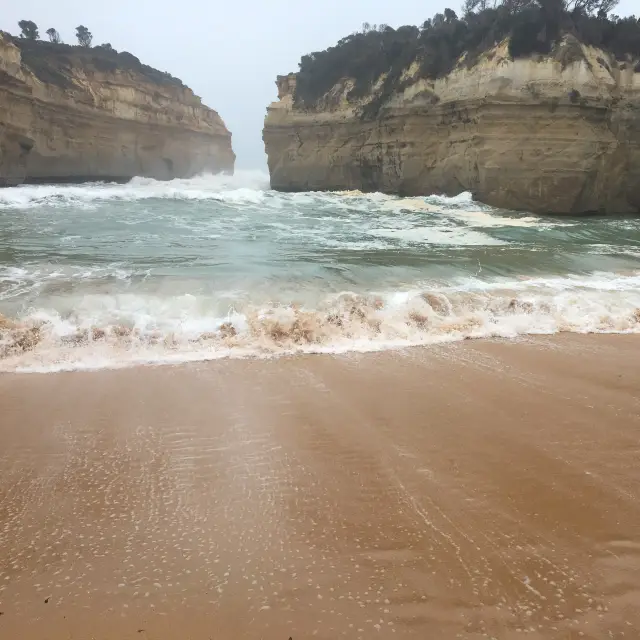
{"points": [[245, 185], [44, 340]]}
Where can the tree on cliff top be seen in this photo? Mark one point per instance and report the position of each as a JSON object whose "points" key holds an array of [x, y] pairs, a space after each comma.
{"points": [[592, 7], [84, 36], [376, 60], [29, 30], [588, 7], [54, 36]]}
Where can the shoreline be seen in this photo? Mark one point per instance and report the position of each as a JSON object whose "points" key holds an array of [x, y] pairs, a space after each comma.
{"points": [[186, 360], [485, 488]]}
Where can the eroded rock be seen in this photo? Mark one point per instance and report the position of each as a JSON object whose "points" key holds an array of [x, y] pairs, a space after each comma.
{"points": [[512, 132]]}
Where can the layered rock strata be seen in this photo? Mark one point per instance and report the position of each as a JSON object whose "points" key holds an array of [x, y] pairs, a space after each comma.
{"points": [[70, 114], [537, 134]]}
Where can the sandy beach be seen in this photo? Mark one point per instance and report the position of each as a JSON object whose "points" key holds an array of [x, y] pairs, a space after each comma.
{"points": [[475, 490]]}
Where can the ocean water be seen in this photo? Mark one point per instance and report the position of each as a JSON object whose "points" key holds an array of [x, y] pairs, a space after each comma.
{"points": [[106, 275]]}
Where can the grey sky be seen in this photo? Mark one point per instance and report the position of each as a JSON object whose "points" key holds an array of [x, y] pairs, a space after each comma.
{"points": [[229, 52]]}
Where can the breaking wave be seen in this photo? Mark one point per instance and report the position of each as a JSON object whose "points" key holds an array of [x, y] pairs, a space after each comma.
{"points": [[246, 188], [125, 329], [107, 275], [244, 185]]}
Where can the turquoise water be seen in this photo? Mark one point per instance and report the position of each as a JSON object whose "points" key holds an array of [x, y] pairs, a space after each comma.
{"points": [[106, 275]]}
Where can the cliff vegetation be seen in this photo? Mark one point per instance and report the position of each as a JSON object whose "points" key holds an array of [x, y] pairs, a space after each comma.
{"points": [[442, 42], [72, 113], [51, 60]]}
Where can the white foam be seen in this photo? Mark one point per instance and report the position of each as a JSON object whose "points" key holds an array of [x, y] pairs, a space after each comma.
{"points": [[431, 235], [485, 219], [251, 188], [114, 331], [243, 186], [74, 312], [463, 198], [459, 209]]}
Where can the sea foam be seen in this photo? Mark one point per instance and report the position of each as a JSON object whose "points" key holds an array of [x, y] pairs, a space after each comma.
{"points": [[108, 275], [124, 329]]}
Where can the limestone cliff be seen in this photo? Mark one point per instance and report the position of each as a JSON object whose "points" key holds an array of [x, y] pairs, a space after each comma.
{"points": [[72, 114], [539, 134]]}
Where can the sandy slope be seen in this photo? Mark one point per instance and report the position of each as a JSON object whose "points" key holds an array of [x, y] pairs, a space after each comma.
{"points": [[471, 491]]}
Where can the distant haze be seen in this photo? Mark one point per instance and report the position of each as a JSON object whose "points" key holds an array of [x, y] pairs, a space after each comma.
{"points": [[229, 53]]}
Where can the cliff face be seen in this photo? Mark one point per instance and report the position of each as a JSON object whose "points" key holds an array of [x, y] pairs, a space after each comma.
{"points": [[534, 134], [72, 114]]}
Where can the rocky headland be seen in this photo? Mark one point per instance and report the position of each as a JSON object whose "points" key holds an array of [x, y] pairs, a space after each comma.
{"points": [[539, 120], [71, 114]]}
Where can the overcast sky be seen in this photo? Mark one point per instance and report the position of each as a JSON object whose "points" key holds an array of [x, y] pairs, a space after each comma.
{"points": [[228, 52]]}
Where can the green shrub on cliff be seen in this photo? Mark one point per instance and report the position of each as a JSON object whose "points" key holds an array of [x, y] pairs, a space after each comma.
{"points": [[51, 61], [532, 26], [363, 56]]}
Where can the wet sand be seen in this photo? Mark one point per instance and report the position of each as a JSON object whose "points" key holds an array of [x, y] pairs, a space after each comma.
{"points": [[477, 490]]}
